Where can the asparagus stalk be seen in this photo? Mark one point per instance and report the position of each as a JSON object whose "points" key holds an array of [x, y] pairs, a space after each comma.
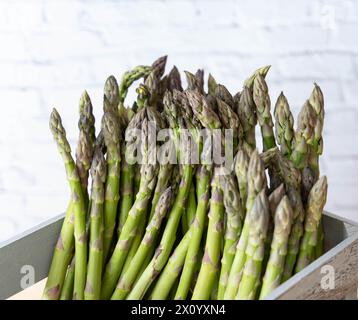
{"points": [[261, 71], [258, 222], [116, 262], [316, 201], [171, 271], [208, 119], [67, 289], [256, 183], [263, 104], [196, 231], [284, 125], [223, 94], [168, 238], [95, 258], [247, 115], [174, 81], [126, 190], [64, 248], [191, 206], [241, 165], [79, 208], [274, 270], [303, 135], [211, 259], [234, 221], [128, 278], [111, 133], [212, 84], [296, 231]]}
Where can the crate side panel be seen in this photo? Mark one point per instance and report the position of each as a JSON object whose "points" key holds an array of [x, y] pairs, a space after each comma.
{"points": [[34, 250]]}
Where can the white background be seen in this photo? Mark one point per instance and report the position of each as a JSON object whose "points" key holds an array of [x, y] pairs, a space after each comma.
{"points": [[51, 50]]}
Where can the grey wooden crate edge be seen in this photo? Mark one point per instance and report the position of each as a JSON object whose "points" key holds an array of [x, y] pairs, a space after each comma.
{"points": [[19, 251], [31, 248]]}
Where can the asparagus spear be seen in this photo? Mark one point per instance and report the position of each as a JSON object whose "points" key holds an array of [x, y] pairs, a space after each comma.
{"points": [[261, 71], [296, 231], [208, 119], [191, 206], [316, 201], [95, 258], [246, 111], [212, 84], [174, 81], [303, 135], [158, 66], [67, 289], [223, 94], [171, 271], [256, 183], [196, 231], [168, 238], [274, 270], [116, 262], [64, 247], [111, 133], [258, 222], [241, 165], [284, 125], [126, 189], [211, 259], [128, 278], [234, 221], [129, 77], [194, 83], [263, 104], [79, 208], [317, 101]]}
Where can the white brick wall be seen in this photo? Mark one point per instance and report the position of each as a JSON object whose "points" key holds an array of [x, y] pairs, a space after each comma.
{"points": [[51, 50]]}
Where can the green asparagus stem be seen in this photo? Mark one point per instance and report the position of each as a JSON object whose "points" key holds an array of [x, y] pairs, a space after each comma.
{"points": [[171, 271], [211, 259], [283, 220], [196, 230], [304, 135], [258, 222], [67, 289], [234, 221], [126, 190], [111, 133], [168, 238], [191, 206], [95, 258], [64, 247], [241, 165], [284, 125], [316, 201], [128, 278], [116, 262], [256, 183], [296, 231], [79, 208], [263, 104], [246, 111]]}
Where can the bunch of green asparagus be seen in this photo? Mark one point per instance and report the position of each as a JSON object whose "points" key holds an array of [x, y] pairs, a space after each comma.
{"points": [[183, 229]]}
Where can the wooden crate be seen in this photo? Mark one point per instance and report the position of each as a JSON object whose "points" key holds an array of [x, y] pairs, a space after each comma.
{"points": [[34, 248]]}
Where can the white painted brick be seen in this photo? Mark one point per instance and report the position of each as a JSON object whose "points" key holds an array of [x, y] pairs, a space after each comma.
{"points": [[51, 51], [318, 66]]}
